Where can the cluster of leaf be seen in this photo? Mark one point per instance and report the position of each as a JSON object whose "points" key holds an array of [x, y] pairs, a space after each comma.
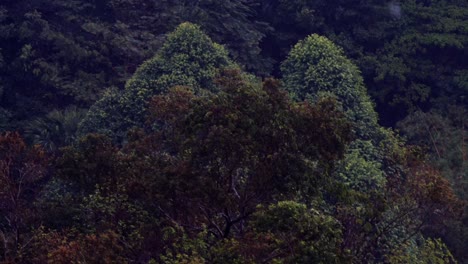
{"points": [[443, 136], [188, 57], [210, 165], [54, 54], [57, 53], [411, 53]]}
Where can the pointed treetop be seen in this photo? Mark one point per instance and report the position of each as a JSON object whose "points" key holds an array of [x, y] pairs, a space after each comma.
{"points": [[316, 67], [188, 57]]}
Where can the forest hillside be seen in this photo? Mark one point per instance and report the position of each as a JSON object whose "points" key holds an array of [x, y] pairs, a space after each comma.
{"points": [[233, 131]]}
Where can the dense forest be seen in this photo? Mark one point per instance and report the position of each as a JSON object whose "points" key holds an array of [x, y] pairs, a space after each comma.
{"points": [[233, 131]]}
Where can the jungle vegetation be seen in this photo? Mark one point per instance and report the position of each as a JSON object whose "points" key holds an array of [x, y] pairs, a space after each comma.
{"points": [[233, 131]]}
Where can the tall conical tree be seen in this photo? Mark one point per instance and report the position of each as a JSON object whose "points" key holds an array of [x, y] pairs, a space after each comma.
{"points": [[316, 68], [187, 58]]}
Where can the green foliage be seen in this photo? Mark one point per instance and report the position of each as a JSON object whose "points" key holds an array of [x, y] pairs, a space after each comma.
{"points": [[298, 234], [410, 57], [316, 68], [62, 53], [284, 232], [360, 168], [201, 247], [445, 142], [231, 22], [421, 252], [57, 129], [183, 249], [443, 138], [92, 161], [316, 65], [423, 62], [106, 117], [23, 170], [58, 74], [204, 154], [188, 57], [58, 204], [243, 146], [50, 246], [235, 24], [110, 209]]}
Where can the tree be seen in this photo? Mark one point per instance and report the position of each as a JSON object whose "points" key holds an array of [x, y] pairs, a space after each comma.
{"points": [[231, 22], [240, 147], [235, 24], [57, 129], [92, 161], [22, 173], [295, 233], [344, 22], [415, 201], [422, 251], [421, 66], [443, 138], [110, 209], [68, 51], [427, 72], [316, 67], [188, 58], [67, 246]]}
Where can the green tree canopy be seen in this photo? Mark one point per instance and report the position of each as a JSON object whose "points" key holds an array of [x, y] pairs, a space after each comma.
{"points": [[316, 67], [241, 147], [298, 234], [187, 58]]}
